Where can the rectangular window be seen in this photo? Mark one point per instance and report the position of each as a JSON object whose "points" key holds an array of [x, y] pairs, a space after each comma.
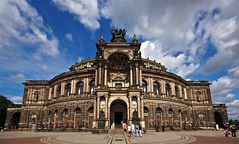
{"points": [[118, 85]]}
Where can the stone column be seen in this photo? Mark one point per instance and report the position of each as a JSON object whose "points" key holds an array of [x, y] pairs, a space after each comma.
{"points": [[138, 107], [62, 88], [142, 108], [100, 74], [98, 107], [73, 86], [130, 109], [95, 113], [87, 85], [50, 91], [180, 91], [106, 107], [131, 76], [172, 89], [105, 80], [151, 85], [140, 76], [55, 88], [162, 87], [185, 93], [137, 74], [106, 113], [96, 77]]}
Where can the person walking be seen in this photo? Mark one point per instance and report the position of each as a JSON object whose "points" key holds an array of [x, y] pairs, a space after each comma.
{"points": [[140, 130], [233, 130], [133, 129], [129, 130], [137, 130]]}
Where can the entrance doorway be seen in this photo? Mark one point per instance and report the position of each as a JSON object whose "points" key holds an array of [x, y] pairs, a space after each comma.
{"points": [[118, 113], [15, 120], [118, 118], [218, 119]]}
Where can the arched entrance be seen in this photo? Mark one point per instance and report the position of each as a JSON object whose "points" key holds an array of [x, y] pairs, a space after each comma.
{"points": [[118, 113], [15, 120], [218, 119]]}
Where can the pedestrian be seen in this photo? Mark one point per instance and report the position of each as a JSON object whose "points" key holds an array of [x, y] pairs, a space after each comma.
{"points": [[140, 130], [125, 127], [233, 130], [226, 132], [163, 128], [129, 130], [137, 130], [133, 129]]}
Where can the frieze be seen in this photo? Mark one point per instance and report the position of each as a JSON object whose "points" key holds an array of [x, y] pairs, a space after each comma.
{"points": [[108, 52]]}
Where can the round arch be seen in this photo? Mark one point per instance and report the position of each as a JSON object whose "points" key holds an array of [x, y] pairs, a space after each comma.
{"points": [[118, 113], [218, 118], [15, 120], [118, 61]]}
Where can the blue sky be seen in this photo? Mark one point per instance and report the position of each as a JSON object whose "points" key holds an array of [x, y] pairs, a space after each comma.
{"points": [[196, 39]]}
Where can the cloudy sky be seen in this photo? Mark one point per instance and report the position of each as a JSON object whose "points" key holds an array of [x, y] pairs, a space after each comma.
{"points": [[196, 39]]}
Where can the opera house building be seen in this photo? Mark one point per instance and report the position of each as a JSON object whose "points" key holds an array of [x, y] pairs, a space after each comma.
{"points": [[116, 86]]}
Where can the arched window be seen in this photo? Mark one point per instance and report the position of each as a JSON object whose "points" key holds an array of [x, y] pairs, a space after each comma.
{"points": [[65, 112], [156, 88], [168, 89], [77, 111], [92, 87], [56, 113], [158, 111], [146, 110], [177, 91], [90, 110], [79, 87], [68, 89], [170, 112], [144, 85]]}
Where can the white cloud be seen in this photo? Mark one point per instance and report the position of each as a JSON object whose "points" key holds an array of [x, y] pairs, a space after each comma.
{"points": [[230, 97], [69, 37], [223, 91], [178, 34], [233, 109], [171, 26], [15, 99], [178, 64], [85, 11], [28, 47], [22, 24]]}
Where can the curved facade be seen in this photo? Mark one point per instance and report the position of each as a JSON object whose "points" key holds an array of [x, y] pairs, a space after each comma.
{"points": [[116, 86]]}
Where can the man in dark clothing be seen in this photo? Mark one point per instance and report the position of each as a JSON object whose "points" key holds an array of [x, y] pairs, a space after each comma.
{"points": [[233, 130]]}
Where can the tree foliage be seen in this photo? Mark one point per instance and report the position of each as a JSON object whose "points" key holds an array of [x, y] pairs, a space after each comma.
{"points": [[4, 104]]}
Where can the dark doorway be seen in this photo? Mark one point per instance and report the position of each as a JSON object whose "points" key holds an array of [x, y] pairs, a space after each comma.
{"points": [[218, 119], [118, 118], [118, 113], [15, 120]]}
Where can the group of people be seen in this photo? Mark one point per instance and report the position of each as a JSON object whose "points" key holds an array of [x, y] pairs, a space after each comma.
{"points": [[233, 129], [134, 129]]}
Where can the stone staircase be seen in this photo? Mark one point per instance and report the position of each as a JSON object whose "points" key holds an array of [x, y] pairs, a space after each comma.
{"points": [[117, 136]]}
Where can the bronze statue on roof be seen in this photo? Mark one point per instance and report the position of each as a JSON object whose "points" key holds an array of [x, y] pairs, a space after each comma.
{"points": [[118, 35]]}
